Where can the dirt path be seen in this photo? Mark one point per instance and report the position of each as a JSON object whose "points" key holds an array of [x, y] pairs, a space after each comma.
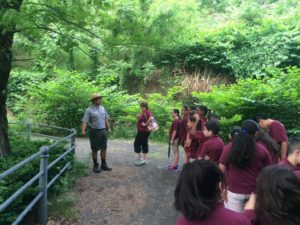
{"points": [[128, 195]]}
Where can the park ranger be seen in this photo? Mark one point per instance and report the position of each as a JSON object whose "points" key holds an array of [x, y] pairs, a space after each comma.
{"points": [[97, 118]]}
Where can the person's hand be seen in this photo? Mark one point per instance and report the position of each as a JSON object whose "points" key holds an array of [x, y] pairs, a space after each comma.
{"points": [[197, 117], [84, 133], [250, 204], [144, 124], [172, 142], [109, 130]]}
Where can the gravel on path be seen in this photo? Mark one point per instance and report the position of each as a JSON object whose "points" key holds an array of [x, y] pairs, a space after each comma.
{"points": [[128, 195]]}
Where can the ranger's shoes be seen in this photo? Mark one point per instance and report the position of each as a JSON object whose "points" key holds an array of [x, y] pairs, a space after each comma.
{"points": [[97, 168], [104, 167]]}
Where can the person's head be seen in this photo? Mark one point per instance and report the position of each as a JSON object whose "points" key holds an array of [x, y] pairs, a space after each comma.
{"points": [[278, 196], [144, 106], [185, 110], [262, 121], [294, 151], [193, 110], [191, 121], [175, 113], [233, 133], [198, 189], [244, 145], [96, 99], [202, 110], [212, 116], [211, 128], [264, 137]]}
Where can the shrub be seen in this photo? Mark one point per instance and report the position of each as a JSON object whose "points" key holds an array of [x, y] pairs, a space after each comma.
{"points": [[276, 96], [60, 101]]}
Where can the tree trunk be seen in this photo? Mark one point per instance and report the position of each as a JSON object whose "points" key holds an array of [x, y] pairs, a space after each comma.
{"points": [[6, 41], [71, 64], [95, 62]]}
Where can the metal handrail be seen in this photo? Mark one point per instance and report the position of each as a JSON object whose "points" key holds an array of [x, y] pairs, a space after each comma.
{"points": [[42, 197]]}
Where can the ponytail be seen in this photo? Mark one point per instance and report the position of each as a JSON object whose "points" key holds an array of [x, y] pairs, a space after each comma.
{"points": [[244, 145]]}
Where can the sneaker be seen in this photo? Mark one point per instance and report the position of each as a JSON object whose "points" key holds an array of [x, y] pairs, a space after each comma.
{"points": [[140, 162], [97, 168], [171, 167], [104, 167]]}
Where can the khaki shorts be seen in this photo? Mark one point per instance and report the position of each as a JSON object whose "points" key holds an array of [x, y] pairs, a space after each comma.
{"points": [[98, 139]]}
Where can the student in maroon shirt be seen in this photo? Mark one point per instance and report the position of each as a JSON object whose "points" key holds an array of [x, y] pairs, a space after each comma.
{"points": [[183, 125], [292, 162], [192, 144], [277, 198], [243, 162], [198, 196], [277, 131], [202, 112], [174, 139], [141, 139], [213, 147], [270, 144]]}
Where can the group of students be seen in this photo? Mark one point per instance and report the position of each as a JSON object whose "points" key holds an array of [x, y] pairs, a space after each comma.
{"points": [[253, 179]]}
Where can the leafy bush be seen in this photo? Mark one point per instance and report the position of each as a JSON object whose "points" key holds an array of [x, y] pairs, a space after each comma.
{"points": [[238, 49], [276, 96], [19, 82], [60, 101], [22, 149]]}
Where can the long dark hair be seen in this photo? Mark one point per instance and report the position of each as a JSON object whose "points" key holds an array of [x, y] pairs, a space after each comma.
{"points": [[278, 196], [234, 132], [244, 145], [196, 193], [177, 113], [269, 141]]}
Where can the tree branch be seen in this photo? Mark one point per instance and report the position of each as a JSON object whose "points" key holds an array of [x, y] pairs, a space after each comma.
{"points": [[18, 60]]}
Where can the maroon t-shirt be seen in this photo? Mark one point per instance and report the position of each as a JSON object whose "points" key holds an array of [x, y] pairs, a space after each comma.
{"points": [[203, 122], [198, 137], [183, 129], [288, 165], [220, 216], [243, 181], [274, 156], [143, 118], [175, 127], [212, 148], [278, 132]]}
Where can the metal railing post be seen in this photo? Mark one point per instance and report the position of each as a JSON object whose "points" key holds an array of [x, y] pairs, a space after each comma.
{"points": [[42, 216], [73, 140], [28, 131]]}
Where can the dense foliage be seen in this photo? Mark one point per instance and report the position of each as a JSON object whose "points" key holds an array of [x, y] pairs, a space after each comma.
{"points": [[62, 100], [134, 50], [276, 96]]}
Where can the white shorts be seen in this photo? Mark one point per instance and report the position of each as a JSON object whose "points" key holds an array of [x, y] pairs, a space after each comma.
{"points": [[236, 202]]}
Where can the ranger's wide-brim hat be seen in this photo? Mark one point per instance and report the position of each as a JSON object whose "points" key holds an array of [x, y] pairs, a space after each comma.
{"points": [[95, 96]]}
